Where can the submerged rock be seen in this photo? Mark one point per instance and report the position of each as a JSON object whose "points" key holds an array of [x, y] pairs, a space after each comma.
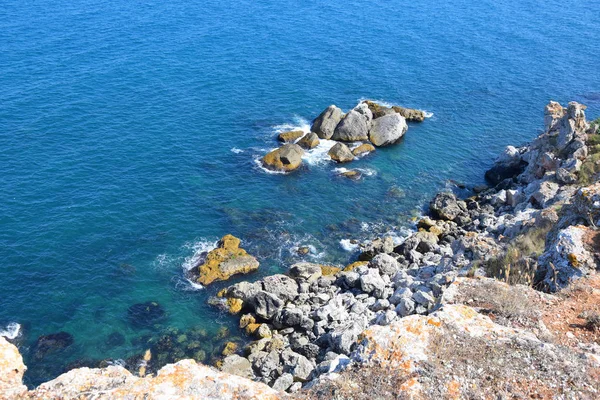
{"points": [[340, 153], [387, 130], [142, 315], [290, 136], [47, 344], [286, 158], [324, 125], [226, 260]]}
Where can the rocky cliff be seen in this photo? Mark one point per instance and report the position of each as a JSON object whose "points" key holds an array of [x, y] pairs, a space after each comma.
{"points": [[419, 319]]}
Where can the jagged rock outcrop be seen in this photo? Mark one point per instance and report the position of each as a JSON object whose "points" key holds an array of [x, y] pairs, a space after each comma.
{"points": [[226, 260]]}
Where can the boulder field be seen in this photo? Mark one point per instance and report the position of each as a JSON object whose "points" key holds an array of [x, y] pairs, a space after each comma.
{"points": [[365, 126]]}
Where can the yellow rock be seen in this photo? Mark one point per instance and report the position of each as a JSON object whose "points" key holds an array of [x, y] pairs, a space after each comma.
{"points": [[329, 270], [229, 349], [363, 149], [290, 136], [226, 260], [246, 320], [234, 305], [147, 355], [251, 328], [286, 158], [350, 267]]}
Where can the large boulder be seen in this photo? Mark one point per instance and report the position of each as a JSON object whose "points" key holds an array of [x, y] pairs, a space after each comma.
{"points": [[286, 158], [265, 304], [446, 206], [508, 165], [567, 258], [339, 152], [387, 129], [376, 246], [324, 125], [226, 260], [353, 127], [290, 136], [309, 141]]}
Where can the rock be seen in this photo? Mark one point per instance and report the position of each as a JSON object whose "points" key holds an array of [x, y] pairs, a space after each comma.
{"points": [[363, 109], [352, 174], [378, 110], [405, 307], [355, 264], [340, 153], [264, 332], [141, 315], [371, 282], [587, 203], [386, 264], [352, 128], [11, 371], [309, 141], [229, 348], [564, 176], [288, 317], [281, 286], [303, 250], [445, 206], [399, 294], [284, 382], [298, 365], [226, 260], [566, 258], [410, 114], [237, 365], [423, 295], [377, 246], [243, 290], [265, 304], [386, 317], [306, 271], [387, 130], [542, 193], [324, 125], [508, 165], [286, 158], [364, 148], [290, 136]]}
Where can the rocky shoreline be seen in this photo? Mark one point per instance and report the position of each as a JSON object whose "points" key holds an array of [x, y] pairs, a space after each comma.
{"points": [[536, 226]]}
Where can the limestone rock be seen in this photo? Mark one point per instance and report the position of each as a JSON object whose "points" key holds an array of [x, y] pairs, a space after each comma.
{"points": [[377, 246], [445, 206], [11, 371], [226, 260], [324, 125], [410, 114], [290, 136], [286, 158], [364, 148], [352, 128], [309, 141], [387, 130], [340, 153]]}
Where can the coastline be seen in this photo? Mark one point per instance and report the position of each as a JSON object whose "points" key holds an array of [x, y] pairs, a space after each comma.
{"points": [[310, 323]]}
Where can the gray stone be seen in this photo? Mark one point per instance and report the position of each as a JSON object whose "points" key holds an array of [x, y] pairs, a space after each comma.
{"points": [[324, 125], [387, 129], [265, 304], [340, 153], [306, 271], [385, 263], [284, 382], [371, 282], [400, 293], [281, 286], [405, 307], [352, 128], [237, 365]]}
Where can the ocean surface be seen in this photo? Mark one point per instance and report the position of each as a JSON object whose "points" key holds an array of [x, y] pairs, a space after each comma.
{"points": [[130, 130]]}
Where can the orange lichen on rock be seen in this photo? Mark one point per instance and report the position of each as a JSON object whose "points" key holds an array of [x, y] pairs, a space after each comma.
{"points": [[226, 260]]}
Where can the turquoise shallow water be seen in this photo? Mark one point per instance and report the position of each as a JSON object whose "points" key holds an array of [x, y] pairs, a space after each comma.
{"points": [[129, 130]]}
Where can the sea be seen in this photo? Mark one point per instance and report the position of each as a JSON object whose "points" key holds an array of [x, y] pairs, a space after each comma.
{"points": [[131, 133]]}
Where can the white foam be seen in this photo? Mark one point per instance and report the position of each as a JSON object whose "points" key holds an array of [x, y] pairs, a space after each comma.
{"points": [[236, 150], [12, 331], [200, 249], [348, 245], [299, 124], [319, 155], [259, 165], [427, 114], [117, 363]]}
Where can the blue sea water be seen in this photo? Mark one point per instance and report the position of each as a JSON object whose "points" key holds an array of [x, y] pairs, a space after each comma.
{"points": [[129, 132]]}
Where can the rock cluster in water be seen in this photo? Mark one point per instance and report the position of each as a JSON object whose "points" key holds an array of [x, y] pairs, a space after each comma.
{"points": [[367, 125]]}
